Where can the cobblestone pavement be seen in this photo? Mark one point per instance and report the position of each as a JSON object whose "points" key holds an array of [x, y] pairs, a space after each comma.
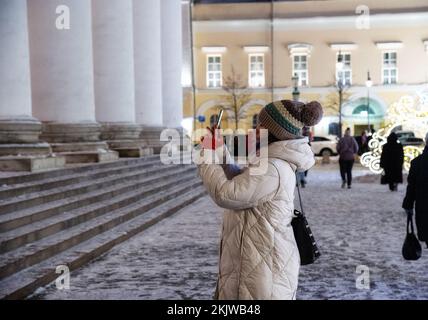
{"points": [[177, 258]]}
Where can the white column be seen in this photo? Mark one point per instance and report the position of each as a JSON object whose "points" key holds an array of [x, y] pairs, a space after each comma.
{"points": [[16, 121], [171, 34], [62, 68], [147, 60], [15, 90], [113, 60], [114, 69]]}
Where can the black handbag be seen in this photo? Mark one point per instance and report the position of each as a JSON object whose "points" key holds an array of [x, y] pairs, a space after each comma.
{"points": [[411, 248], [305, 240]]}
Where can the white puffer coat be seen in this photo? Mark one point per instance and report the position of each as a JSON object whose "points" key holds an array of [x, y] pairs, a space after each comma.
{"points": [[259, 258]]}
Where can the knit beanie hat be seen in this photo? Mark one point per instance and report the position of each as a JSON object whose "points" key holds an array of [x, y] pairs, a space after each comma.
{"points": [[285, 119]]}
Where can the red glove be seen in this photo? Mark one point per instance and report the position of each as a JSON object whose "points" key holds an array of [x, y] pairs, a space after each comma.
{"points": [[213, 139]]}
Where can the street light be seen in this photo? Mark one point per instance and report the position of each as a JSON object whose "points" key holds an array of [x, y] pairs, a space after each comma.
{"points": [[369, 83], [340, 86], [296, 93]]}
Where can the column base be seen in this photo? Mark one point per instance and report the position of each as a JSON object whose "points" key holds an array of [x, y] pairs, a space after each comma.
{"points": [[123, 137], [130, 148], [151, 136], [20, 149], [25, 149], [120, 131], [21, 129], [77, 142], [84, 152], [31, 163], [56, 132]]}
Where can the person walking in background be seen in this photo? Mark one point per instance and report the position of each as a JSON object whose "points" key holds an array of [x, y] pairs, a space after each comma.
{"points": [[347, 148], [417, 192], [391, 161], [364, 143]]}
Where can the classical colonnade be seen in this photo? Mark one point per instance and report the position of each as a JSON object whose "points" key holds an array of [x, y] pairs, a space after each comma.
{"points": [[112, 74]]}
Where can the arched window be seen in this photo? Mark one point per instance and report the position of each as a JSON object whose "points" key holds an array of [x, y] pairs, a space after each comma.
{"points": [[213, 120], [362, 109], [255, 121]]}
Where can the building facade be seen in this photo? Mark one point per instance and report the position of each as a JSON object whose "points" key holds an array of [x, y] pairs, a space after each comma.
{"points": [[261, 46]]}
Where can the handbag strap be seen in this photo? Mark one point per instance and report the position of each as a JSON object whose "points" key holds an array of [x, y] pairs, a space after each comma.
{"points": [[410, 222], [297, 182], [298, 192]]}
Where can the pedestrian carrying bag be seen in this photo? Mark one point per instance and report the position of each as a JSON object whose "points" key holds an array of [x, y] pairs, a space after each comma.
{"points": [[305, 240], [411, 248]]}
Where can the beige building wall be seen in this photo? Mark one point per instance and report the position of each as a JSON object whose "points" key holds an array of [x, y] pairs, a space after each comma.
{"points": [[319, 24]]}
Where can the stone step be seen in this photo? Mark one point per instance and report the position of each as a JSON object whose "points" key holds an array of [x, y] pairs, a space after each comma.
{"points": [[16, 238], [89, 156], [42, 211], [38, 198], [61, 181], [133, 152], [28, 177], [31, 163], [24, 257], [23, 283]]}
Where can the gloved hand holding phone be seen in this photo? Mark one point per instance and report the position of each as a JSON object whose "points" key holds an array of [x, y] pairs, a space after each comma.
{"points": [[213, 139]]}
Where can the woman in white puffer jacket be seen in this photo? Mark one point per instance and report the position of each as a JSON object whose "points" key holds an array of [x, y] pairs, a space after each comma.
{"points": [[259, 258]]}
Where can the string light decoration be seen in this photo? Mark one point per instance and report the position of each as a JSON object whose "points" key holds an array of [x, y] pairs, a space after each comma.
{"points": [[408, 112]]}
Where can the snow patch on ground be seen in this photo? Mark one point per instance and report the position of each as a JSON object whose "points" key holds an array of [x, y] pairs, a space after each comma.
{"points": [[178, 257]]}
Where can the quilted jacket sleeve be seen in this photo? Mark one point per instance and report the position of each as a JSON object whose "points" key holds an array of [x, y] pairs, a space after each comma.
{"points": [[243, 191]]}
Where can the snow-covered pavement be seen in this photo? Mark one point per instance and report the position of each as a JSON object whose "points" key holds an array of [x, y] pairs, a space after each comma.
{"points": [[177, 258]]}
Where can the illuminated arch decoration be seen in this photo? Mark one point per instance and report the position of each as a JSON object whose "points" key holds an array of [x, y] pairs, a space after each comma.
{"points": [[409, 111]]}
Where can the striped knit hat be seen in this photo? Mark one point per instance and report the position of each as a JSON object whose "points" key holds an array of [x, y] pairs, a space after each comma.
{"points": [[285, 119]]}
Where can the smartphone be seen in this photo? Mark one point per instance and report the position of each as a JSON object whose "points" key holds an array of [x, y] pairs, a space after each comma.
{"points": [[220, 115]]}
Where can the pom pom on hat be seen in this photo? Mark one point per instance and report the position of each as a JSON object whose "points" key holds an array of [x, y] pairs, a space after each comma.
{"points": [[285, 119], [311, 113]]}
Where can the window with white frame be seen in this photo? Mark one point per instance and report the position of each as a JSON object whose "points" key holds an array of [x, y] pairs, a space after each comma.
{"points": [[389, 67], [256, 70], [214, 76], [345, 74], [300, 68]]}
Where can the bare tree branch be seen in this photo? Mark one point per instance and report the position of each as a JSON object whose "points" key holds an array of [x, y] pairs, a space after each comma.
{"points": [[238, 94]]}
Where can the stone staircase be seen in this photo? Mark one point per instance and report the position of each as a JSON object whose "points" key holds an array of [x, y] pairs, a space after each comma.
{"points": [[71, 216]]}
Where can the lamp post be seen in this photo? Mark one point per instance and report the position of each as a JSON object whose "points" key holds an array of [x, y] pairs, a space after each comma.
{"points": [[340, 87], [369, 83], [296, 93]]}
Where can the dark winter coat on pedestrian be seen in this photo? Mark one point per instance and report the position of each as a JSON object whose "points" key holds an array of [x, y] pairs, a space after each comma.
{"points": [[347, 148], [391, 160], [417, 193]]}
